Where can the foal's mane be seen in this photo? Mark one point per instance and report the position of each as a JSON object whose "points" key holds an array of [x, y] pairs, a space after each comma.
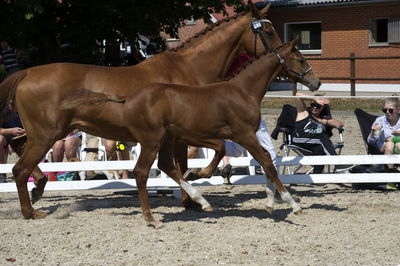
{"points": [[206, 30]]}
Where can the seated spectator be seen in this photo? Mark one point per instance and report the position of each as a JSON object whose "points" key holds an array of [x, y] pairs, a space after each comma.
{"points": [[68, 146], [312, 126], [385, 131], [113, 153], [10, 128]]}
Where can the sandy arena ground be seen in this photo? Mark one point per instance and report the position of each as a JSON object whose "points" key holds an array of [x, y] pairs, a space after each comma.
{"points": [[340, 226]]}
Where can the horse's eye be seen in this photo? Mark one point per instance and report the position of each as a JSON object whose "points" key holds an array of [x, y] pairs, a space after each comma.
{"points": [[302, 61], [270, 33]]}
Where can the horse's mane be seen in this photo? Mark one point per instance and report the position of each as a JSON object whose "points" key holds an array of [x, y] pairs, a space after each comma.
{"points": [[245, 65], [206, 30]]}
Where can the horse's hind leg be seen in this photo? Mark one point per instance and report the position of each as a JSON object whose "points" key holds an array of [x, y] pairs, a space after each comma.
{"points": [[219, 147], [31, 156], [166, 164], [18, 145], [251, 144]]}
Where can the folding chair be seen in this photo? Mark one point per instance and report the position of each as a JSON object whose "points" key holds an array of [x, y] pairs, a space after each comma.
{"points": [[285, 125], [365, 121]]}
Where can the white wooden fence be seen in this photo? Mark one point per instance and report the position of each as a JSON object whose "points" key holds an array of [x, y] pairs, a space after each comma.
{"points": [[167, 183]]}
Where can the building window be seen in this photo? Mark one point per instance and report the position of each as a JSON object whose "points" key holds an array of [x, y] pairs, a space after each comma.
{"points": [[384, 31], [309, 35]]}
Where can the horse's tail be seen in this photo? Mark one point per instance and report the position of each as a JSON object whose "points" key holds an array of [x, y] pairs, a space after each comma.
{"points": [[83, 97], [7, 91]]}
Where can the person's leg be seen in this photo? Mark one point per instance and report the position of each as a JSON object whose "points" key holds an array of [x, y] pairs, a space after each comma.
{"points": [[3, 156], [71, 147], [58, 151], [111, 148], [124, 155], [388, 149]]}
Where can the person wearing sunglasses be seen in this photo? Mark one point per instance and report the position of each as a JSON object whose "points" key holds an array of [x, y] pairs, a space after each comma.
{"points": [[385, 131], [312, 126]]}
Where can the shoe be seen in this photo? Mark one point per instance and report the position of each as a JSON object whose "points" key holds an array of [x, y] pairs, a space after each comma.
{"points": [[344, 167], [376, 168], [226, 173], [3, 178], [391, 186]]}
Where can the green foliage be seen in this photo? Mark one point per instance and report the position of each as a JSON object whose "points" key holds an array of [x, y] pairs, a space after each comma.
{"points": [[73, 30]]}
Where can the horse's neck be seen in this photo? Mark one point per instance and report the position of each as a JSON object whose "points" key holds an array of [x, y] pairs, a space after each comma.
{"points": [[257, 76], [211, 55]]}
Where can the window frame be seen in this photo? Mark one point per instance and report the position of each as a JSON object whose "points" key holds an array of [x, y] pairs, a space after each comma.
{"points": [[311, 51], [372, 23]]}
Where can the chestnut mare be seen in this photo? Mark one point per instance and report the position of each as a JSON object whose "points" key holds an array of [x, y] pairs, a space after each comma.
{"points": [[224, 110], [39, 92]]}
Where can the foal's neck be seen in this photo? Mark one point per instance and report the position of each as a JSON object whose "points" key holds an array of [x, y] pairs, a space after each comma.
{"points": [[256, 77]]}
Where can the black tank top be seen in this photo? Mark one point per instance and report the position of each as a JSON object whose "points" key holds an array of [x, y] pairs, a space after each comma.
{"points": [[309, 127]]}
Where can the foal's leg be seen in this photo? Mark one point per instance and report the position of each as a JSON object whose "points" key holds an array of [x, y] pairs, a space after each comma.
{"points": [[40, 179], [31, 156], [166, 164], [219, 148], [251, 144]]}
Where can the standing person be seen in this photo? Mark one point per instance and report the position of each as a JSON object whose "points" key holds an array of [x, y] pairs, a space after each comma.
{"points": [[113, 154], [385, 131], [311, 127], [9, 58], [233, 149]]}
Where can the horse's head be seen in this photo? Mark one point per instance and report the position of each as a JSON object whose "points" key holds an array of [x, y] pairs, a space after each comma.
{"points": [[259, 24], [295, 67]]}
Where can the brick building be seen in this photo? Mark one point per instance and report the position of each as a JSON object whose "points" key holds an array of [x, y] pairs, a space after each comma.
{"points": [[332, 29], [337, 28]]}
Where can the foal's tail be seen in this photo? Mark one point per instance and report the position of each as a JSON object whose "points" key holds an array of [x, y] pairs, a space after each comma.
{"points": [[7, 91], [84, 97]]}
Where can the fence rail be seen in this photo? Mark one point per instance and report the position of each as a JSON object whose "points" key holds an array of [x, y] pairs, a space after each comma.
{"points": [[352, 78]]}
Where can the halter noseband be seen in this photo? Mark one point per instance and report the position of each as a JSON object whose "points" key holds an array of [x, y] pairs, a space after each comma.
{"points": [[287, 69]]}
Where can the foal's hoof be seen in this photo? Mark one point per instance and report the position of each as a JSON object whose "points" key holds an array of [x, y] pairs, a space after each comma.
{"points": [[36, 195], [156, 224], [39, 214], [269, 209], [190, 176], [299, 212], [208, 208]]}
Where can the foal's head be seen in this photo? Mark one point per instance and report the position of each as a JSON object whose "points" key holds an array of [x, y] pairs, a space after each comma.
{"points": [[295, 66]]}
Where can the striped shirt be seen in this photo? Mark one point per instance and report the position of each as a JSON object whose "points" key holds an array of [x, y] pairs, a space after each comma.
{"points": [[9, 59]]}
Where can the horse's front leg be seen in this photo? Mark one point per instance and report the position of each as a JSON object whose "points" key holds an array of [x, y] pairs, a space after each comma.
{"points": [[250, 143], [18, 145], [166, 164]]}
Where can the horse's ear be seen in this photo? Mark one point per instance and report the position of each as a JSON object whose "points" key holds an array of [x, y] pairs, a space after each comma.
{"points": [[264, 11], [254, 11], [293, 43]]}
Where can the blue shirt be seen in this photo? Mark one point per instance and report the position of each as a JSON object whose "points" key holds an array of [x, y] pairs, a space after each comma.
{"points": [[385, 132]]}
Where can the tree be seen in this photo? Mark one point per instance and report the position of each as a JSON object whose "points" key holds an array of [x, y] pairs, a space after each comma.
{"points": [[74, 30]]}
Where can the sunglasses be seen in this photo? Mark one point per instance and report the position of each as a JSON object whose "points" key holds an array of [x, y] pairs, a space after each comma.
{"points": [[385, 110], [315, 105]]}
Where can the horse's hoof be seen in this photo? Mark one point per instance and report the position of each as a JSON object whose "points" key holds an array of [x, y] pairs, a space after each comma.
{"points": [[190, 176], [208, 208], [36, 195], [299, 212], [269, 210], [156, 224], [190, 204], [39, 214]]}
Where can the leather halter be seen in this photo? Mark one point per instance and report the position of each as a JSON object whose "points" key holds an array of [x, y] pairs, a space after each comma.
{"points": [[256, 26], [287, 69]]}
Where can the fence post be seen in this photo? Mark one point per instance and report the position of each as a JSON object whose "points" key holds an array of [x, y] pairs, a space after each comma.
{"points": [[294, 88], [352, 74]]}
